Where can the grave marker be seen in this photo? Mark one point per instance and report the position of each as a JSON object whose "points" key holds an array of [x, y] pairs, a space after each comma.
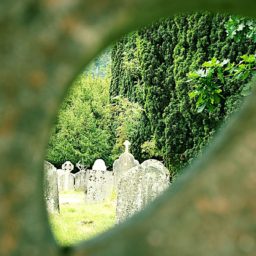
{"points": [[99, 183], [51, 192], [139, 186]]}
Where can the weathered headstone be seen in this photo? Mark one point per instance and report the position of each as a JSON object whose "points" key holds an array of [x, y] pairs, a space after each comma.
{"points": [[140, 185], [129, 197], [99, 183], [51, 192], [81, 181], [125, 162], [81, 178], [81, 166], [59, 173], [108, 185], [66, 179], [99, 165], [95, 186], [156, 178]]}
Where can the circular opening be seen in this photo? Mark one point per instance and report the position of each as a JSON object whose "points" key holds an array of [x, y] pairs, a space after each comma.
{"points": [[170, 87]]}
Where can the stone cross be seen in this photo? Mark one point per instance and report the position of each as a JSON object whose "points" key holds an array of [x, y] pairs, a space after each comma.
{"points": [[127, 144], [67, 166]]}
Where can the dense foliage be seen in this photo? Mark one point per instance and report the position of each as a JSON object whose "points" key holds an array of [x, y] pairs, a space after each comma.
{"points": [[214, 74], [88, 126], [241, 29], [150, 67], [172, 85], [82, 131]]}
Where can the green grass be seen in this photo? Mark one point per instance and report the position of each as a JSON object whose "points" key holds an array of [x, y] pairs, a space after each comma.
{"points": [[78, 221]]}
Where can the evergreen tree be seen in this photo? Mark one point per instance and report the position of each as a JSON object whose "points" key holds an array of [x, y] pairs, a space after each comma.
{"points": [[150, 67]]}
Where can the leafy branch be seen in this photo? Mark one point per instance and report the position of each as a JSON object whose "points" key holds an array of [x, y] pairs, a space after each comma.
{"points": [[240, 29], [207, 82]]}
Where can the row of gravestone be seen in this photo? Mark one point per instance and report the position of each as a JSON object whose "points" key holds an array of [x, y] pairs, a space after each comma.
{"points": [[68, 181], [136, 184], [85, 180], [96, 183]]}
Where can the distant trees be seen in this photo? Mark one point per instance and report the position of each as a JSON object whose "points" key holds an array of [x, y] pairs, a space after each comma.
{"points": [[125, 117], [83, 129], [89, 126]]}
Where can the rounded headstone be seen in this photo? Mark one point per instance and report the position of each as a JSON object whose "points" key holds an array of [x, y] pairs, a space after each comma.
{"points": [[140, 185], [125, 162], [99, 165], [156, 166], [155, 179]]}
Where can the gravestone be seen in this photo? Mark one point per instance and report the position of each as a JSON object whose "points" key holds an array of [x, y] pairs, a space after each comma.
{"points": [[156, 179], [67, 166], [140, 185], [81, 181], [99, 183], [81, 166], [99, 165], [60, 181], [129, 194], [95, 183], [66, 179], [81, 178], [125, 162], [60, 171], [51, 192], [108, 185]]}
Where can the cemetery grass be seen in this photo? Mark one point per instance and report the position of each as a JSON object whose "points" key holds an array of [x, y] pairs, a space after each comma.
{"points": [[78, 221]]}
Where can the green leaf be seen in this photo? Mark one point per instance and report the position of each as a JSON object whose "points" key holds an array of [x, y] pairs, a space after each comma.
{"points": [[193, 94], [210, 108], [201, 108], [216, 99], [248, 58], [218, 91], [200, 100], [212, 63], [193, 75], [245, 75], [240, 27], [221, 75]]}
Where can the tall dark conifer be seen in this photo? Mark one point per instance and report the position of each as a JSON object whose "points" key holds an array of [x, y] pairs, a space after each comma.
{"points": [[150, 67]]}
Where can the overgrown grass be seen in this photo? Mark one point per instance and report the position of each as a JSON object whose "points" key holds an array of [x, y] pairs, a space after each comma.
{"points": [[78, 220]]}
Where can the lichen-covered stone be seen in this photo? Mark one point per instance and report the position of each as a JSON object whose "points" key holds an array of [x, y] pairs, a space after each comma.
{"points": [[140, 185], [99, 186], [156, 179], [66, 181], [125, 162], [81, 181], [51, 191]]}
